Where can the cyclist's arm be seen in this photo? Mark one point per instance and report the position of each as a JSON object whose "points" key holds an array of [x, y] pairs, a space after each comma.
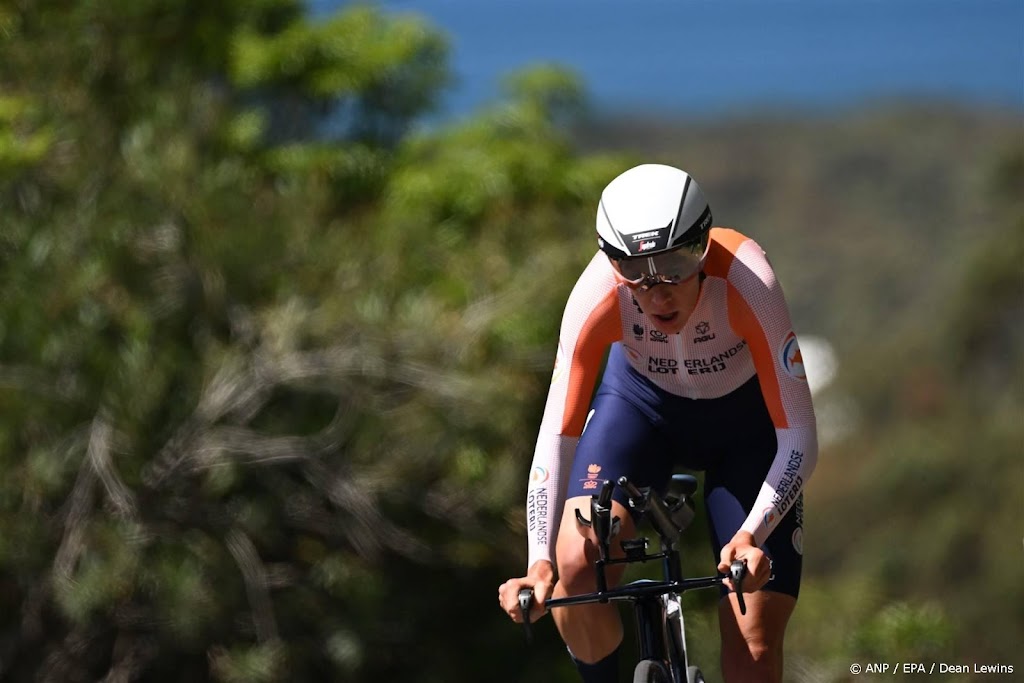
{"points": [[758, 312], [590, 324]]}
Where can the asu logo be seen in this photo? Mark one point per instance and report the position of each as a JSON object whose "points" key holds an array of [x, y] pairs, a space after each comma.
{"points": [[790, 357]]}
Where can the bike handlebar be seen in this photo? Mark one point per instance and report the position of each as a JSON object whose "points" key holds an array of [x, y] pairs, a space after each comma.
{"points": [[525, 601], [651, 504], [604, 499], [737, 572], [637, 589]]}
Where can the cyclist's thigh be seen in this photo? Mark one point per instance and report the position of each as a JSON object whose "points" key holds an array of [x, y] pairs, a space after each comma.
{"points": [[618, 440], [576, 549], [733, 482]]}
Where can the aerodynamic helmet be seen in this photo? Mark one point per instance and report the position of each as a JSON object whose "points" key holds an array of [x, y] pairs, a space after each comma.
{"points": [[649, 209]]}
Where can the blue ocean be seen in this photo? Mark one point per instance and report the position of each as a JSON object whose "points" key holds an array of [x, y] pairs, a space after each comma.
{"points": [[707, 57]]}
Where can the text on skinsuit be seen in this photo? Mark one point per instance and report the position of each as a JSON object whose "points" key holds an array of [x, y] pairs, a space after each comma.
{"points": [[716, 363], [662, 365], [789, 484], [537, 513]]}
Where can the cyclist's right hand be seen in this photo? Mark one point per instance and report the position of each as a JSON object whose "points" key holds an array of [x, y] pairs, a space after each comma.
{"points": [[541, 578]]}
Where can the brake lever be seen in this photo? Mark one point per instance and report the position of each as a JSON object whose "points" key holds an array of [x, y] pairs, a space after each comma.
{"points": [[525, 600], [737, 572]]}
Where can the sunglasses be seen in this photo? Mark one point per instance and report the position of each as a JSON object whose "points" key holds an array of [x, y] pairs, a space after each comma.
{"points": [[669, 267]]}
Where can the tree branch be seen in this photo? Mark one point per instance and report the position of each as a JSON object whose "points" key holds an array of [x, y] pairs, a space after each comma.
{"points": [[255, 576]]}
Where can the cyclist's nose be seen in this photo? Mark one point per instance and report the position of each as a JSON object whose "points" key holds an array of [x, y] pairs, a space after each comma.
{"points": [[661, 294]]}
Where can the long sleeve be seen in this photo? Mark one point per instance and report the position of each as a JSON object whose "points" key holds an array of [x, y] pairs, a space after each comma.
{"points": [[590, 323], [758, 312]]}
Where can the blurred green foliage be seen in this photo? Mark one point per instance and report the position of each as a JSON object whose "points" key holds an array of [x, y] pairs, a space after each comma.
{"points": [[272, 354]]}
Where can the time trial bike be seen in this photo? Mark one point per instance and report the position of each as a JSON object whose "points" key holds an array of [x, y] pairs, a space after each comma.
{"points": [[658, 614]]}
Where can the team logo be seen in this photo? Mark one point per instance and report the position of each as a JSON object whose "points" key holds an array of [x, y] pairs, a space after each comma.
{"points": [[638, 331], [702, 330], [591, 481], [770, 517], [640, 242], [659, 336], [791, 358], [539, 475], [650, 235]]}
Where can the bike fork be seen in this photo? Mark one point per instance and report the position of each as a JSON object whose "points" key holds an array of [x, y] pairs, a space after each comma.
{"points": [[652, 637], [676, 635]]}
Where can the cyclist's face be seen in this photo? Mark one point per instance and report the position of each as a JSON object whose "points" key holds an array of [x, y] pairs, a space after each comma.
{"points": [[668, 306]]}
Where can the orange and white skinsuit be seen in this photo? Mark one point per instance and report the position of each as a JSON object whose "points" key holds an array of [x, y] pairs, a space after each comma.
{"points": [[739, 330]]}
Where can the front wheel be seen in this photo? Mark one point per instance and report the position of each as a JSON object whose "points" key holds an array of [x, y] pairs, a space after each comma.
{"points": [[693, 675], [651, 671]]}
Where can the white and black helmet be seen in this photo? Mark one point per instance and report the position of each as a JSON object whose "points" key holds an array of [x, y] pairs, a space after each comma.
{"points": [[650, 209]]}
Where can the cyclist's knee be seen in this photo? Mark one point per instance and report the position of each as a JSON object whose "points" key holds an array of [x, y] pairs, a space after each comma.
{"points": [[755, 648], [575, 558], [752, 645], [755, 638], [576, 572], [576, 549], [751, 656]]}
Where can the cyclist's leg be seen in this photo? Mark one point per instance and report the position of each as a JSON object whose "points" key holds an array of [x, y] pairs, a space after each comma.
{"points": [[591, 632], [752, 645], [618, 440]]}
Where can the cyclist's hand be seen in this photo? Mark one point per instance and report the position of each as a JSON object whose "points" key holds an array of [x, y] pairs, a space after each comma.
{"points": [[541, 578], [759, 567]]}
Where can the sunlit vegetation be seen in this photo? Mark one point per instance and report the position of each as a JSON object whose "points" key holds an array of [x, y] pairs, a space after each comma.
{"points": [[272, 355]]}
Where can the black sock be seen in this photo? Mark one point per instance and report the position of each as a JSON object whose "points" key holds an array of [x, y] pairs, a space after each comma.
{"points": [[604, 671]]}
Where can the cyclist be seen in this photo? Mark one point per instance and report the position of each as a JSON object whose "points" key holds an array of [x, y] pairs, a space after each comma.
{"points": [[704, 371]]}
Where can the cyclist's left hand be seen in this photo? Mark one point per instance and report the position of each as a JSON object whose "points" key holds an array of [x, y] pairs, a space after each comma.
{"points": [[541, 578], [759, 567]]}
